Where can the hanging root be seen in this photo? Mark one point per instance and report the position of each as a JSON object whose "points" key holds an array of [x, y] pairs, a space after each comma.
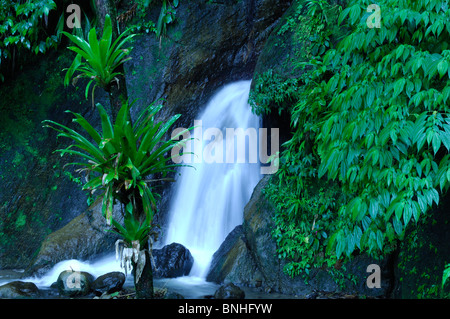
{"points": [[150, 253], [124, 255], [128, 254]]}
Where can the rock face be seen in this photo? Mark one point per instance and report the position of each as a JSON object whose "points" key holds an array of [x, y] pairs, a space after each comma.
{"points": [[172, 260], [37, 196], [108, 283], [83, 238], [19, 289], [205, 58], [74, 283], [262, 268], [232, 261]]}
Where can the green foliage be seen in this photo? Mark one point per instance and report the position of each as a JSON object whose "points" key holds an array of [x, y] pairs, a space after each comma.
{"points": [[117, 161], [139, 10], [102, 57], [445, 277], [132, 230], [167, 16], [272, 90], [303, 224], [22, 28], [380, 124], [372, 117], [303, 34], [143, 26]]}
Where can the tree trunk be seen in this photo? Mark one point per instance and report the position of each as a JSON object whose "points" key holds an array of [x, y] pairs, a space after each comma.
{"points": [[144, 287], [117, 89]]}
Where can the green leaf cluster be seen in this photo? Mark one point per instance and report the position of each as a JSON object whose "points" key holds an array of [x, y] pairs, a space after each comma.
{"points": [[23, 27], [166, 16], [272, 90], [118, 160], [101, 56], [373, 118], [445, 277], [303, 224]]}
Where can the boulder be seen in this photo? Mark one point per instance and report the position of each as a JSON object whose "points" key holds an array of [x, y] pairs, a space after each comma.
{"points": [[83, 238], [232, 261], [19, 289], [172, 260], [74, 283], [108, 283], [229, 291]]}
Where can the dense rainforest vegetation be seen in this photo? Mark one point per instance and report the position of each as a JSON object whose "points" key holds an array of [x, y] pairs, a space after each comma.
{"points": [[368, 155]]}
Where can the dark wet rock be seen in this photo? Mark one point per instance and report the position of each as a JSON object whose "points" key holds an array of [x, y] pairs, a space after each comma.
{"points": [[229, 291], [19, 289], [74, 283], [108, 283], [83, 238], [312, 295], [232, 262], [172, 260]]}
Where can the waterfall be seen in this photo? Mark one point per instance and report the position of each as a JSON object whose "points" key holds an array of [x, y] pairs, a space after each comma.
{"points": [[209, 198]]}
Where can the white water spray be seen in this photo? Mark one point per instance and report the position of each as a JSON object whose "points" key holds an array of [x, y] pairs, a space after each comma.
{"points": [[209, 199]]}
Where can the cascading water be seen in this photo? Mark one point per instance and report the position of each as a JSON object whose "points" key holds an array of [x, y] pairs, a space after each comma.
{"points": [[209, 199]]}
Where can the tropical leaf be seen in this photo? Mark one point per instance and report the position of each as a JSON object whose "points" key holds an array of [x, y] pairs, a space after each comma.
{"points": [[118, 159], [102, 57]]}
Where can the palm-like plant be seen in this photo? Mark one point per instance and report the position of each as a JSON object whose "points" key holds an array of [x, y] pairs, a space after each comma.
{"points": [[117, 162], [119, 158], [102, 57]]}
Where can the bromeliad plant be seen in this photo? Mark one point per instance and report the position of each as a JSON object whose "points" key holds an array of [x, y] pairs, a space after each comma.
{"points": [[117, 162], [102, 57]]}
